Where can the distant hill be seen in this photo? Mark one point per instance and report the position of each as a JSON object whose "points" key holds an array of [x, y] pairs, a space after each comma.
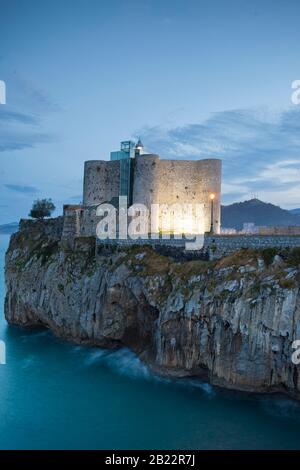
{"points": [[8, 229], [295, 211], [258, 212]]}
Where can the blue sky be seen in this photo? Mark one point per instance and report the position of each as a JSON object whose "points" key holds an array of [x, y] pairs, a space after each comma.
{"points": [[194, 79]]}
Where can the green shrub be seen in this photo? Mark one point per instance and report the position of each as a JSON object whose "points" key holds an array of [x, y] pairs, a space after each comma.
{"points": [[42, 208]]}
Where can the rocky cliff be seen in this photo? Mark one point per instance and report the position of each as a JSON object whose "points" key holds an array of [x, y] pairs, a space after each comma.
{"points": [[230, 321]]}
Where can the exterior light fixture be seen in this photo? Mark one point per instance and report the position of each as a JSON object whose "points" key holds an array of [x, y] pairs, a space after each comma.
{"points": [[212, 197]]}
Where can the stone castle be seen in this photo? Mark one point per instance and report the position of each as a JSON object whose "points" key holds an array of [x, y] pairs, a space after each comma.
{"points": [[145, 179]]}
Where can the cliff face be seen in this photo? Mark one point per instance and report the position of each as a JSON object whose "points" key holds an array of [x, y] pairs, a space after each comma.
{"points": [[231, 321]]}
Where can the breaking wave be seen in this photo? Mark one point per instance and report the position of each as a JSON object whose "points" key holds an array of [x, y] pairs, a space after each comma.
{"points": [[121, 361], [124, 362]]}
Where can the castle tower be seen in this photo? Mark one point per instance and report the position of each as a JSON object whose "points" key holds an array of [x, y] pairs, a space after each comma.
{"points": [[169, 182], [147, 179]]}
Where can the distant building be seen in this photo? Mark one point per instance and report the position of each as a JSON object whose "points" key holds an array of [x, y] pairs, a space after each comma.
{"points": [[249, 228], [228, 231]]}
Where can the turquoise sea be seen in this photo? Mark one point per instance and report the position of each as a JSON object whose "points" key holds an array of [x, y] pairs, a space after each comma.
{"points": [[55, 395]]}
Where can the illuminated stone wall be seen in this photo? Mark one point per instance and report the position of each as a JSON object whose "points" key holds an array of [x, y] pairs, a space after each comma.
{"points": [[155, 181], [179, 182], [101, 181]]}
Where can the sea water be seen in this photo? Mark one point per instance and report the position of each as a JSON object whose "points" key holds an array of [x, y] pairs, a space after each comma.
{"points": [[55, 395]]}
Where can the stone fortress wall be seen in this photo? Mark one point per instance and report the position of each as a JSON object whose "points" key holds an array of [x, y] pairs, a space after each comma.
{"points": [[179, 181], [145, 180], [215, 246], [101, 181], [221, 244], [155, 181]]}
